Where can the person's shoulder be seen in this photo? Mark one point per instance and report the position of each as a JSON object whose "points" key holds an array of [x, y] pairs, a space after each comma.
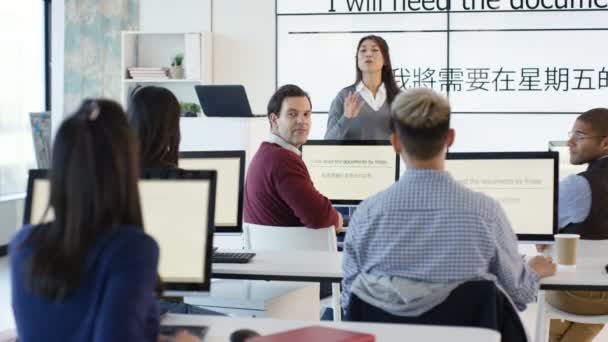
{"points": [[20, 236], [132, 239], [346, 90], [475, 202], [273, 153], [134, 233], [377, 202], [573, 181]]}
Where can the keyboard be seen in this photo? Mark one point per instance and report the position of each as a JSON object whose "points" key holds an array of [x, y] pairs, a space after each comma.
{"points": [[232, 258]]}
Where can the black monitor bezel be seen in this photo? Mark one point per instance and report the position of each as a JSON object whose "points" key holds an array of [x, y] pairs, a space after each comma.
{"points": [[240, 154], [522, 155], [337, 201], [160, 175]]}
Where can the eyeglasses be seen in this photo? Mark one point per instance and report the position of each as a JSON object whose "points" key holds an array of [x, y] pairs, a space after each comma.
{"points": [[577, 136]]}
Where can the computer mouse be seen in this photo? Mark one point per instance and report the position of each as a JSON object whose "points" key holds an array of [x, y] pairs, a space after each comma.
{"points": [[242, 334]]}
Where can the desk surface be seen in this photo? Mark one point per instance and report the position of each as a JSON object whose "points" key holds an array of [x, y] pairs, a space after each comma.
{"points": [[221, 327], [589, 274], [314, 266]]}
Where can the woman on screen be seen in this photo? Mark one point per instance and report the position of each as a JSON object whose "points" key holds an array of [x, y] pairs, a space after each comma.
{"points": [[154, 113], [361, 111], [89, 274]]}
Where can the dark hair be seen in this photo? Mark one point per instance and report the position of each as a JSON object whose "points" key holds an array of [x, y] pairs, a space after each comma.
{"points": [[388, 77], [421, 119], [597, 118], [288, 90], [93, 183], [154, 113]]}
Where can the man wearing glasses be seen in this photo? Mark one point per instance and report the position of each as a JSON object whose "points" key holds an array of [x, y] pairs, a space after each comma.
{"points": [[583, 200]]}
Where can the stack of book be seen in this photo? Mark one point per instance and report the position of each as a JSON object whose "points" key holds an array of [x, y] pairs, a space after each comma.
{"points": [[148, 73]]}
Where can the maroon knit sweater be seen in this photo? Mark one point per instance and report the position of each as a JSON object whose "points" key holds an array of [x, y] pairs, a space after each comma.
{"points": [[279, 191]]}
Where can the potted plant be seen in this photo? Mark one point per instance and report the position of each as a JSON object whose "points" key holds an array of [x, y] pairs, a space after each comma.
{"points": [[177, 69], [190, 109]]}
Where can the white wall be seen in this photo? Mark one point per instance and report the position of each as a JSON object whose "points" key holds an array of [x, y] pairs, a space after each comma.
{"points": [[11, 217], [244, 53], [57, 60], [244, 47], [175, 15]]}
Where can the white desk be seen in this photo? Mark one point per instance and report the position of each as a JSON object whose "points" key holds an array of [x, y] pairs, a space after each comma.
{"points": [[590, 275], [310, 266], [220, 329]]}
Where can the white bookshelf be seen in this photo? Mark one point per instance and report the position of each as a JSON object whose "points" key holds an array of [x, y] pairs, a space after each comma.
{"points": [[156, 49]]}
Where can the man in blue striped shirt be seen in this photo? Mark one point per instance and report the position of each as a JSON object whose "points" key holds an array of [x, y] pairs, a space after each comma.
{"points": [[409, 246]]}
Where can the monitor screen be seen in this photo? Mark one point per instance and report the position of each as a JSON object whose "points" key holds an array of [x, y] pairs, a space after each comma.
{"points": [[37, 199], [230, 168], [177, 211], [565, 168], [524, 183], [347, 172]]}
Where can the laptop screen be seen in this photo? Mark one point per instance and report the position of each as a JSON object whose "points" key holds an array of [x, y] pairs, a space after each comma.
{"points": [[223, 100]]}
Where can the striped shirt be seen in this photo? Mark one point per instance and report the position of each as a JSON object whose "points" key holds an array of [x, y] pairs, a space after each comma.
{"points": [[429, 228]]}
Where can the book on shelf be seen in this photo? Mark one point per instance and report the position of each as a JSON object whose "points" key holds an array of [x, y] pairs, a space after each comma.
{"points": [[148, 72], [316, 333]]}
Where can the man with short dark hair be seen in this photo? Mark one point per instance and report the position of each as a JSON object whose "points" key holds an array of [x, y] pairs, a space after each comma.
{"points": [[409, 246], [278, 189], [583, 200], [584, 197]]}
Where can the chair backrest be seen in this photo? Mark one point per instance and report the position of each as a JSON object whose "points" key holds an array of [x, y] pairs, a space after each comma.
{"points": [[592, 248], [477, 303], [273, 238]]}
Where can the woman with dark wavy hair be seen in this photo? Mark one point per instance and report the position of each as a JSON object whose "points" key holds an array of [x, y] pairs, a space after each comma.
{"points": [[90, 273], [361, 111]]}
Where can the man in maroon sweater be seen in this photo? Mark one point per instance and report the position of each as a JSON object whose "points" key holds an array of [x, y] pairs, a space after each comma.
{"points": [[278, 188]]}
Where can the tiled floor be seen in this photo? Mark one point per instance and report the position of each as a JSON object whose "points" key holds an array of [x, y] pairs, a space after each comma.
{"points": [[6, 319]]}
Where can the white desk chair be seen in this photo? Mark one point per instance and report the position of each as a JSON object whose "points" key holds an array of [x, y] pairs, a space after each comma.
{"points": [[273, 238], [546, 312]]}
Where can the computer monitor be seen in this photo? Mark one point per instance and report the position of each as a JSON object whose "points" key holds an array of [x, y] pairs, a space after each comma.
{"points": [[524, 183], [565, 168], [349, 171], [178, 212], [230, 167], [37, 198]]}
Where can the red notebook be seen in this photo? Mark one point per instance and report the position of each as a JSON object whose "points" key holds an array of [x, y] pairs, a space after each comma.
{"points": [[315, 333]]}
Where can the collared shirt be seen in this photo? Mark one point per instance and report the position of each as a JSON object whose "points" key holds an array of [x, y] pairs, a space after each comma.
{"points": [[275, 139], [374, 102], [574, 199], [429, 228]]}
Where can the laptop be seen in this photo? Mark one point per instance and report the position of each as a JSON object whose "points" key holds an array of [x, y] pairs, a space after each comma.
{"points": [[224, 101]]}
